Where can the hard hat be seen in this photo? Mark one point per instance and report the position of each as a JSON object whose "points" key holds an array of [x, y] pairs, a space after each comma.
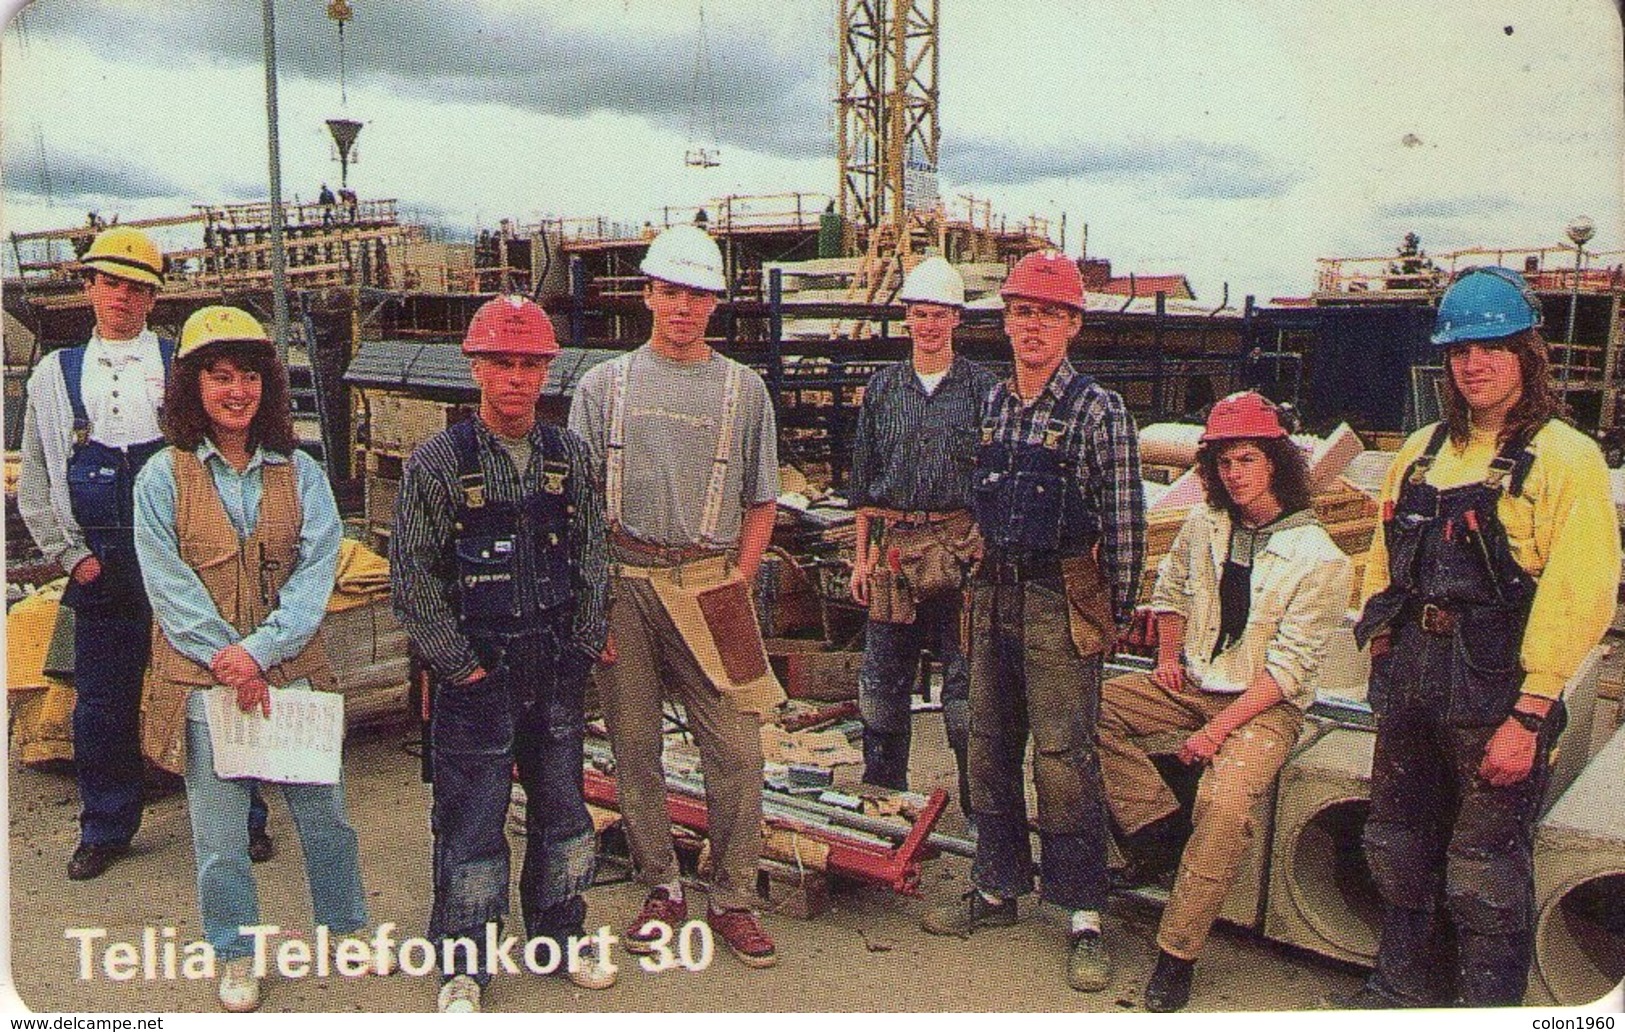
{"points": [[1486, 303], [934, 281], [687, 256], [219, 324], [127, 253], [1046, 276], [1245, 414], [512, 325]]}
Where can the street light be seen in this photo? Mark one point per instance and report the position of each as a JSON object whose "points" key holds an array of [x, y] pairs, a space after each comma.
{"points": [[1579, 230]]}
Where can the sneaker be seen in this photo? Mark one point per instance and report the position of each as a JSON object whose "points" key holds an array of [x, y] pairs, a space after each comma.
{"points": [[742, 933], [260, 847], [1170, 985], [381, 963], [658, 907], [595, 971], [239, 987], [460, 995], [972, 911], [1088, 966]]}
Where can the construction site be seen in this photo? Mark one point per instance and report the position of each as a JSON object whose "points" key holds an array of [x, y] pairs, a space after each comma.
{"points": [[376, 306]]}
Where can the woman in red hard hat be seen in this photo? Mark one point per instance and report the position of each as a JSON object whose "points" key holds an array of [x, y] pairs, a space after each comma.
{"points": [[1245, 601]]}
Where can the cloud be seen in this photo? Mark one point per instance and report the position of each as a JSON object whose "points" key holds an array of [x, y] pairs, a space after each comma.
{"points": [[766, 97], [1192, 169], [65, 176], [1446, 207]]}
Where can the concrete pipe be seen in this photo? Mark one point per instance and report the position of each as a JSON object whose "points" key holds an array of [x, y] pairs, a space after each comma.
{"points": [[1321, 897], [1580, 887]]}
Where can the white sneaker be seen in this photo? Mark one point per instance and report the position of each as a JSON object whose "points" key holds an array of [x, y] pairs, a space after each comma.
{"points": [[594, 971], [461, 995], [239, 988], [382, 963]]}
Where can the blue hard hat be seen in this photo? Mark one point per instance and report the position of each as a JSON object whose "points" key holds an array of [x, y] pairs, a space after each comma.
{"points": [[1485, 303]]}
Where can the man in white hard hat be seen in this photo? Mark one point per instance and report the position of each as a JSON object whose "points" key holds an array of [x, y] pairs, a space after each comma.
{"points": [[90, 424], [912, 465], [687, 444]]}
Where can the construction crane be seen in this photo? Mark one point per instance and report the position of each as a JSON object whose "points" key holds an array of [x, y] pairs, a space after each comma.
{"points": [[705, 81], [887, 140], [344, 130]]}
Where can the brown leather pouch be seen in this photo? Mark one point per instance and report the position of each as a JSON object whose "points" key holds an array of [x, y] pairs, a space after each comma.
{"points": [[890, 600], [731, 618], [935, 556], [1089, 608]]}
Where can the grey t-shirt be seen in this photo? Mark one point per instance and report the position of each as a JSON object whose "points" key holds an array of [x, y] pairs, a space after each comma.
{"points": [[672, 428]]}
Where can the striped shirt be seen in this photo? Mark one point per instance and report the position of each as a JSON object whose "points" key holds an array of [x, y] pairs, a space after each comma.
{"points": [[422, 568], [916, 451], [1103, 447]]}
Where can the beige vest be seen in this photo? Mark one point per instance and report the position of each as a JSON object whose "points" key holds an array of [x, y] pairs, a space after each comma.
{"points": [[243, 578]]}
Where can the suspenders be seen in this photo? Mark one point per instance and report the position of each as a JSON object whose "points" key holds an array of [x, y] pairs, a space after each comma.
{"points": [[73, 372], [615, 462]]}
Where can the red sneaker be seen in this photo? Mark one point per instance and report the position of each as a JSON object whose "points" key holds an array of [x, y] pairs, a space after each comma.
{"points": [[743, 933], [659, 908]]}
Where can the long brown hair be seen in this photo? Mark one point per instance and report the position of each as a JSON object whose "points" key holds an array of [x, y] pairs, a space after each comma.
{"points": [[1289, 474], [1537, 403], [185, 423]]}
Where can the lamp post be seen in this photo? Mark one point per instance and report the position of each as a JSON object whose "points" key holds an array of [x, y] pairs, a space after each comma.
{"points": [[1579, 231]]}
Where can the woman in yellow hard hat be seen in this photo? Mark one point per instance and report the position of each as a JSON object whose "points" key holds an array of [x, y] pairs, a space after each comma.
{"points": [[238, 537]]}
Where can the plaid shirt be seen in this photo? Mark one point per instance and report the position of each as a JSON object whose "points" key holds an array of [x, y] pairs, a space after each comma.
{"points": [[914, 451], [1103, 449]]}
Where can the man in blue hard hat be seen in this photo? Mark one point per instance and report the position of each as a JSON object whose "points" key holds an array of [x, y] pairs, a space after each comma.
{"points": [[1492, 575]]}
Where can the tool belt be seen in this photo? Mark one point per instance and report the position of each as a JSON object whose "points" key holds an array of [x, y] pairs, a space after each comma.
{"points": [[659, 555], [1089, 617], [712, 609], [1436, 620], [918, 558]]}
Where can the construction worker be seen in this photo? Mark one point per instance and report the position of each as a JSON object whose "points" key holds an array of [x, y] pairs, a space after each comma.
{"points": [[911, 481], [238, 537], [1245, 602], [498, 574], [1057, 485], [687, 444], [1492, 575], [90, 424]]}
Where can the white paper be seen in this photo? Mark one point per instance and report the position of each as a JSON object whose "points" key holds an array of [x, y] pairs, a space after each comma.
{"points": [[302, 741]]}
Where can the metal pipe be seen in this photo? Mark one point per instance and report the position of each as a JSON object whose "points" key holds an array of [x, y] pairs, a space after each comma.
{"points": [[1574, 305], [279, 258]]}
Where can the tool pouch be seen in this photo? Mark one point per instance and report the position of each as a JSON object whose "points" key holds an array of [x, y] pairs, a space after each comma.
{"points": [[1089, 609], [935, 557], [891, 599]]}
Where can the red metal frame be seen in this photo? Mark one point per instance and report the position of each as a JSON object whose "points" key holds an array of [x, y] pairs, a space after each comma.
{"points": [[897, 869]]}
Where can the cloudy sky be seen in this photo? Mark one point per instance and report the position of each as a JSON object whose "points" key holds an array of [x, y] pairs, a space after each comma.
{"points": [[1233, 140]]}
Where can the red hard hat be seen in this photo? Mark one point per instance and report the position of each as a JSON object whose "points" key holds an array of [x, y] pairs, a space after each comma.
{"points": [[1242, 415], [1045, 276], [511, 325]]}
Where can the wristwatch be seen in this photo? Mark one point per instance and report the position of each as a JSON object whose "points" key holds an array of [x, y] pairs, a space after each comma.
{"points": [[1531, 722]]}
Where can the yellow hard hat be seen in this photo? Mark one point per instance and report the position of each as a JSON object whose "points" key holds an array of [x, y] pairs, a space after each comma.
{"points": [[127, 253], [219, 324]]}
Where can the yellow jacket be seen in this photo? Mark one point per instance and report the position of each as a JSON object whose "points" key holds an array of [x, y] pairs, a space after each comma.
{"points": [[1563, 532]]}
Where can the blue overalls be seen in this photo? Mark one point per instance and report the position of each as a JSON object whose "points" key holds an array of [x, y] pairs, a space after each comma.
{"points": [[515, 591], [1027, 677], [1439, 839], [113, 630]]}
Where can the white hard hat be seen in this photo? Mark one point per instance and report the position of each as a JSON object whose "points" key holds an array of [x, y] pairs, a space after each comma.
{"points": [[687, 256], [935, 281]]}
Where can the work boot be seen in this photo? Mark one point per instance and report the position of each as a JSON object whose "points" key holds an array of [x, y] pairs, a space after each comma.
{"points": [[260, 847], [594, 971], [239, 988], [972, 911], [1088, 966], [460, 995], [742, 933], [1170, 985], [92, 860], [658, 908]]}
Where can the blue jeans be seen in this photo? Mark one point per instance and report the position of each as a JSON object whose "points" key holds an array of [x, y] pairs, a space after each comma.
{"points": [[524, 712], [225, 877], [891, 664], [111, 645]]}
